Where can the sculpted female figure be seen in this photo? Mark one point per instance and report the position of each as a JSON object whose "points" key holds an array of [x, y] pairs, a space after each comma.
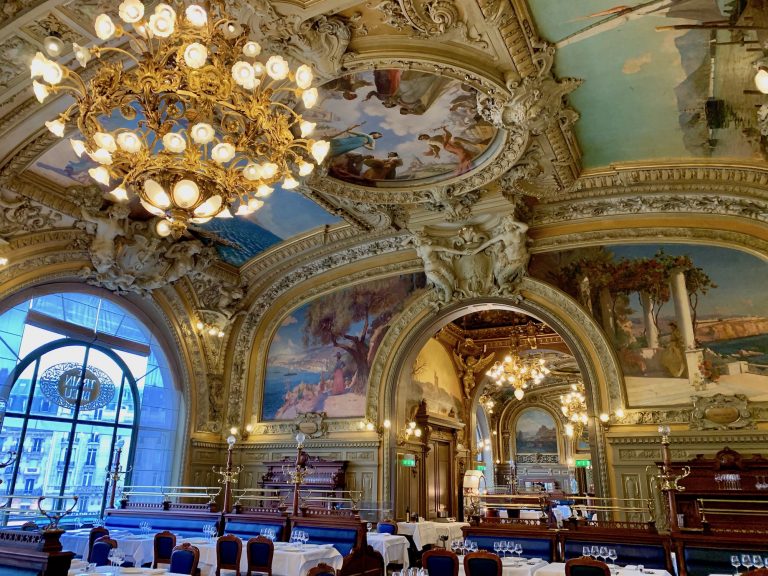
{"points": [[511, 253], [437, 269]]}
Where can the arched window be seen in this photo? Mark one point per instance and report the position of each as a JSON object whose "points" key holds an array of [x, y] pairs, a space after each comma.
{"points": [[80, 376]]}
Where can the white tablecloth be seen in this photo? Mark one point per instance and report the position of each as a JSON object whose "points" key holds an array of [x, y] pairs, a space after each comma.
{"points": [[288, 559], [138, 548], [512, 567], [450, 529], [558, 569], [423, 533], [78, 570], [392, 547]]}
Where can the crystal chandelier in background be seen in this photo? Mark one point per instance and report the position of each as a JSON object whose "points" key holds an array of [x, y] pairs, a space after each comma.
{"points": [[211, 126], [574, 407], [518, 372]]}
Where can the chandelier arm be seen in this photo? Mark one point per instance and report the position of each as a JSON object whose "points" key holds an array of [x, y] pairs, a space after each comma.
{"points": [[119, 51]]}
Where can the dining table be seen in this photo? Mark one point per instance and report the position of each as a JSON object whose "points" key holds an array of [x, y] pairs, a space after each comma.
{"points": [[423, 533], [450, 531], [288, 559], [138, 548], [79, 567], [514, 566], [558, 569], [393, 547]]}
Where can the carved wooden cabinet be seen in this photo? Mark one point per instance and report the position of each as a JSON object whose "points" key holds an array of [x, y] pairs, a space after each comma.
{"points": [[325, 475]]}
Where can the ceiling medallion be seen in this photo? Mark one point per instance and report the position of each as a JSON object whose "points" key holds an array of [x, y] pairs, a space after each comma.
{"points": [[518, 372], [204, 126]]}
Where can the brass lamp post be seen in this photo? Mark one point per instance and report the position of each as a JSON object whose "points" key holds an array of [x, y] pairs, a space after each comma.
{"points": [[300, 470], [114, 474], [228, 474], [667, 480]]}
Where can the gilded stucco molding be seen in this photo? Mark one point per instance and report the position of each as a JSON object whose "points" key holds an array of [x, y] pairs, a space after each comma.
{"points": [[683, 438]]}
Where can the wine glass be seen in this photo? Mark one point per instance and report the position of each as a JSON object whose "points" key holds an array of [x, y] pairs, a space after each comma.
{"points": [[518, 550], [497, 548], [585, 551], [612, 555], [369, 526], [757, 562], [112, 557], [604, 553], [746, 561], [735, 562], [594, 551]]}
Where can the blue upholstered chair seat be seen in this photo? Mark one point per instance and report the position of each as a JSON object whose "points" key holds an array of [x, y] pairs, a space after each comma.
{"points": [[182, 562], [343, 539], [100, 553], [259, 553], [228, 551], [178, 525], [248, 530], [705, 561], [438, 565], [649, 555], [532, 547], [386, 528]]}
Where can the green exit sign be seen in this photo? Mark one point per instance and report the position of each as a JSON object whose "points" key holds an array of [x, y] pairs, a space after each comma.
{"points": [[408, 462], [480, 467], [583, 463]]}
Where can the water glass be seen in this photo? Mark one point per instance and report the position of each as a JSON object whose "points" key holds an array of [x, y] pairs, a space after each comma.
{"points": [[585, 551], [594, 551], [519, 550], [369, 526], [757, 562], [497, 548], [735, 562], [612, 555], [746, 561]]}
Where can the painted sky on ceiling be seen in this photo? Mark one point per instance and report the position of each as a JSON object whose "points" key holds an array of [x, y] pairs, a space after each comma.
{"points": [[647, 92]]}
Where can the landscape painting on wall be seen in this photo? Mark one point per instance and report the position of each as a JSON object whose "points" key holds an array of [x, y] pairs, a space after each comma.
{"points": [[320, 357], [684, 319], [535, 432], [388, 125], [434, 380]]}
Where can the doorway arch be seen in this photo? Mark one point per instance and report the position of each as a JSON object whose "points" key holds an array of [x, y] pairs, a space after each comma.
{"points": [[595, 358]]}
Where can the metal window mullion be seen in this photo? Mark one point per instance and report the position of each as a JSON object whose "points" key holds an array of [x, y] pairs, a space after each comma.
{"points": [[116, 426], [24, 424], [73, 428]]}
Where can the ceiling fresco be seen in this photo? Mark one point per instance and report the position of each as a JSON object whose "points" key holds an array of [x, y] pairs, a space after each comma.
{"points": [[400, 125], [660, 82]]}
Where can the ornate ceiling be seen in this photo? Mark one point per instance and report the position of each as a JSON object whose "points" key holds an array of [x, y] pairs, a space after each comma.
{"points": [[589, 121]]}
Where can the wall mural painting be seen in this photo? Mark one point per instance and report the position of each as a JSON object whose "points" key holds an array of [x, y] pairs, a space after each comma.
{"points": [[685, 320], [678, 73], [434, 379], [394, 125], [320, 357], [535, 432]]}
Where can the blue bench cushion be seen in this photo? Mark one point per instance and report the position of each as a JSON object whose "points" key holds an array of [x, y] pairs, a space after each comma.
{"points": [[706, 561], [176, 524], [343, 539], [532, 547], [649, 555], [252, 529]]}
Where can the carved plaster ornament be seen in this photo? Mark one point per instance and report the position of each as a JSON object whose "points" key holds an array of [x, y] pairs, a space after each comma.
{"points": [[455, 209], [19, 215], [214, 402], [721, 412], [470, 365], [320, 41], [312, 424], [473, 263]]}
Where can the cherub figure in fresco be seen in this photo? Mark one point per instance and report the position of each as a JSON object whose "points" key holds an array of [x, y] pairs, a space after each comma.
{"points": [[382, 169], [387, 86], [347, 86], [462, 148]]}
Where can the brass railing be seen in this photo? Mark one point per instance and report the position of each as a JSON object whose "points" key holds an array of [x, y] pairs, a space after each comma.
{"points": [[313, 498], [259, 495], [167, 493]]}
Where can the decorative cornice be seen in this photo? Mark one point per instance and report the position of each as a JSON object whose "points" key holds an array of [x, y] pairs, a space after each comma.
{"points": [[698, 438]]}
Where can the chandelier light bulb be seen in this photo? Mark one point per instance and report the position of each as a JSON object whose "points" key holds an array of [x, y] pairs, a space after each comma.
{"points": [[306, 128], [105, 140], [569, 430], [156, 194], [141, 30], [254, 204], [129, 142], [131, 11], [174, 142], [161, 25], [761, 79], [41, 91], [78, 146], [232, 30], [258, 69], [620, 413], [263, 191], [319, 150], [37, 66], [304, 76], [202, 133], [243, 210], [119, 194], [244, 74], [52, 73], [209, 208], [305, 168], [163, 228], [277, 68], [82, 54], [268, 170], [223, 152], [104, 27], [101, 156], [152, 209], [195, 55], [100, 174], [417, 432], [309, 97], [519, 393], [166, 11], [251, 172], [56, 127], [53, 46], [196, 15], [186, 193], [289, 183], [252, 49]]}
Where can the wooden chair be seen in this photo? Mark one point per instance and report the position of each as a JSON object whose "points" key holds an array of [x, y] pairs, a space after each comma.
{"points": [[363, 562], [229, 550], [164, 544], [322, 569], [482, 563], [184, 559], [95, 533], [100, 551], [586, 567], [440, 561], [759, 572], [260, 551]]}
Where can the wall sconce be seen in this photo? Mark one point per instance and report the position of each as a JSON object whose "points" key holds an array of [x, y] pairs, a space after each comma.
{"points": [[761, 76], [366, 425], [410, 431], [234, 431], [606, 419], [210, 329]]}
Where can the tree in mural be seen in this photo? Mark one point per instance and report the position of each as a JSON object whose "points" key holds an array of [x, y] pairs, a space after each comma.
{"points": [[355, 319]]}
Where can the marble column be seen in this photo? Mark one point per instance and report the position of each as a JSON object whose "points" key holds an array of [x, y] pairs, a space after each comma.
{"points": [[693, 356], [651, 332]]}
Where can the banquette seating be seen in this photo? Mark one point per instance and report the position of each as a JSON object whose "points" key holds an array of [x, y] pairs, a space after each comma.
{"points": [[344, 534], [632, 547], [536, 543], [701, 555], [250, 525], [184, 524]]}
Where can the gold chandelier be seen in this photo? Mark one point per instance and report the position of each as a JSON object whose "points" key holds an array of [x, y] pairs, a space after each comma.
{"points": [[574, 407], [211, 126], [518, 372]]}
